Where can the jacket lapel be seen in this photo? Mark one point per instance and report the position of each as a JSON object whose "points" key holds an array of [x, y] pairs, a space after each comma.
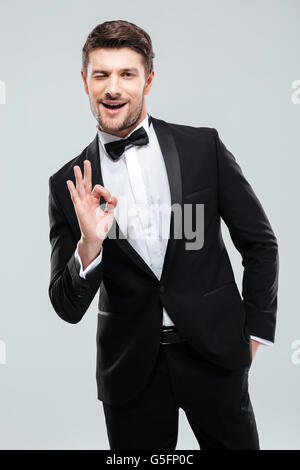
{"points": [[171, 158], [172, 162]]}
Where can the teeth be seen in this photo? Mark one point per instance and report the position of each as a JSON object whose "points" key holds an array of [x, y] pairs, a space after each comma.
{"points": [[113, 106]]}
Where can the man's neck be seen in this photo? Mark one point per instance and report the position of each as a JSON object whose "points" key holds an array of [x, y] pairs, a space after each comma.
{"points": [[124, 133]]}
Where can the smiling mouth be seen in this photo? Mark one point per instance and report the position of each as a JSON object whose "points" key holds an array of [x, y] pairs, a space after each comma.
{"points": [[113, 110], [115, 106]]}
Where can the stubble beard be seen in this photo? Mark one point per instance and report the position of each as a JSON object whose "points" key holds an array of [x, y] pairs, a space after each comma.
{"points": [[109, 125]]}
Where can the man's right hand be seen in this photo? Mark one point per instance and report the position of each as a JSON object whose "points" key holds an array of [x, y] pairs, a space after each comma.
{"points": [[94, 223]]}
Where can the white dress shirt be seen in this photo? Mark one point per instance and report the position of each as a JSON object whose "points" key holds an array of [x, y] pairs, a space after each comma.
{"points": [[139, 180]]}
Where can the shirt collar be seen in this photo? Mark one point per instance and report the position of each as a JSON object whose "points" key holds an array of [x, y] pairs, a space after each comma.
{"points": [[105, 138]]}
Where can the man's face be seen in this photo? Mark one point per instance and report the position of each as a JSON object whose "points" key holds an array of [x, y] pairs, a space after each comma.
{"points": [[117, 76]]}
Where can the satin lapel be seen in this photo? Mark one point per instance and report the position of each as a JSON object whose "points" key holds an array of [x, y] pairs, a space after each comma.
{"points": [[172, 162], [123, 243]]}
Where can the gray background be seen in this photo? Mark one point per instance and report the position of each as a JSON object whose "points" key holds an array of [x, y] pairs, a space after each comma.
{"points": [[225, 64]]}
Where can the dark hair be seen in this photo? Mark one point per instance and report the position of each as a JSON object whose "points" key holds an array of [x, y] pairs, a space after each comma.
{"points": [[117, 34]]}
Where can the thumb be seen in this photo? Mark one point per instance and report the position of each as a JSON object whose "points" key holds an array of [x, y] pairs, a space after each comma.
{"points": [[111, 204]]}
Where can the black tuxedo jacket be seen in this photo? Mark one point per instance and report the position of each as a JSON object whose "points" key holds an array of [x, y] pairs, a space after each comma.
{"points": [[197, 287]]}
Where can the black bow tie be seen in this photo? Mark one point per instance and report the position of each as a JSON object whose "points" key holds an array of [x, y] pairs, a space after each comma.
{"points": [[117, 147]]}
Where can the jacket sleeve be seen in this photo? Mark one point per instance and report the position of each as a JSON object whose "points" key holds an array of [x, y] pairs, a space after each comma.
{"points": [[252, 235], [69, 293]]}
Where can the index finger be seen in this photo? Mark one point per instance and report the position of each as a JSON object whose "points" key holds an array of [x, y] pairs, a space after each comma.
{"points": [[99, 191]]}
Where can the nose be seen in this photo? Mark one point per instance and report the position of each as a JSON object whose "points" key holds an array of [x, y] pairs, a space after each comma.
{"points": [[113, 88]]}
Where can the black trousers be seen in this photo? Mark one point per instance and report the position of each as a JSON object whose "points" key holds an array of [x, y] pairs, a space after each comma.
{"points": [[216, 403]]}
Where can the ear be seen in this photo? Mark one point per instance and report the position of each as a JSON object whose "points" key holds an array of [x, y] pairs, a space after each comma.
{"points": [[84, 82], [149, 83]]}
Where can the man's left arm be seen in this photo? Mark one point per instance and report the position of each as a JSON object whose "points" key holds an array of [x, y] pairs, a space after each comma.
{"points": [[252, 235]]}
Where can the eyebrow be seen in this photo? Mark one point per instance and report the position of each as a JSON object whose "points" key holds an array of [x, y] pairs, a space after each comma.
{"points": [[130, 69]]}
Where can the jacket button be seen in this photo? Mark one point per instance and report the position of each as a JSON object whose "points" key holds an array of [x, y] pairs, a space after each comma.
{"points": [[81, 294], [162, 289]]}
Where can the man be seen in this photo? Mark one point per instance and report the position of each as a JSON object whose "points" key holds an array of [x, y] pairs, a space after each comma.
{"points": [[173, 331]]}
